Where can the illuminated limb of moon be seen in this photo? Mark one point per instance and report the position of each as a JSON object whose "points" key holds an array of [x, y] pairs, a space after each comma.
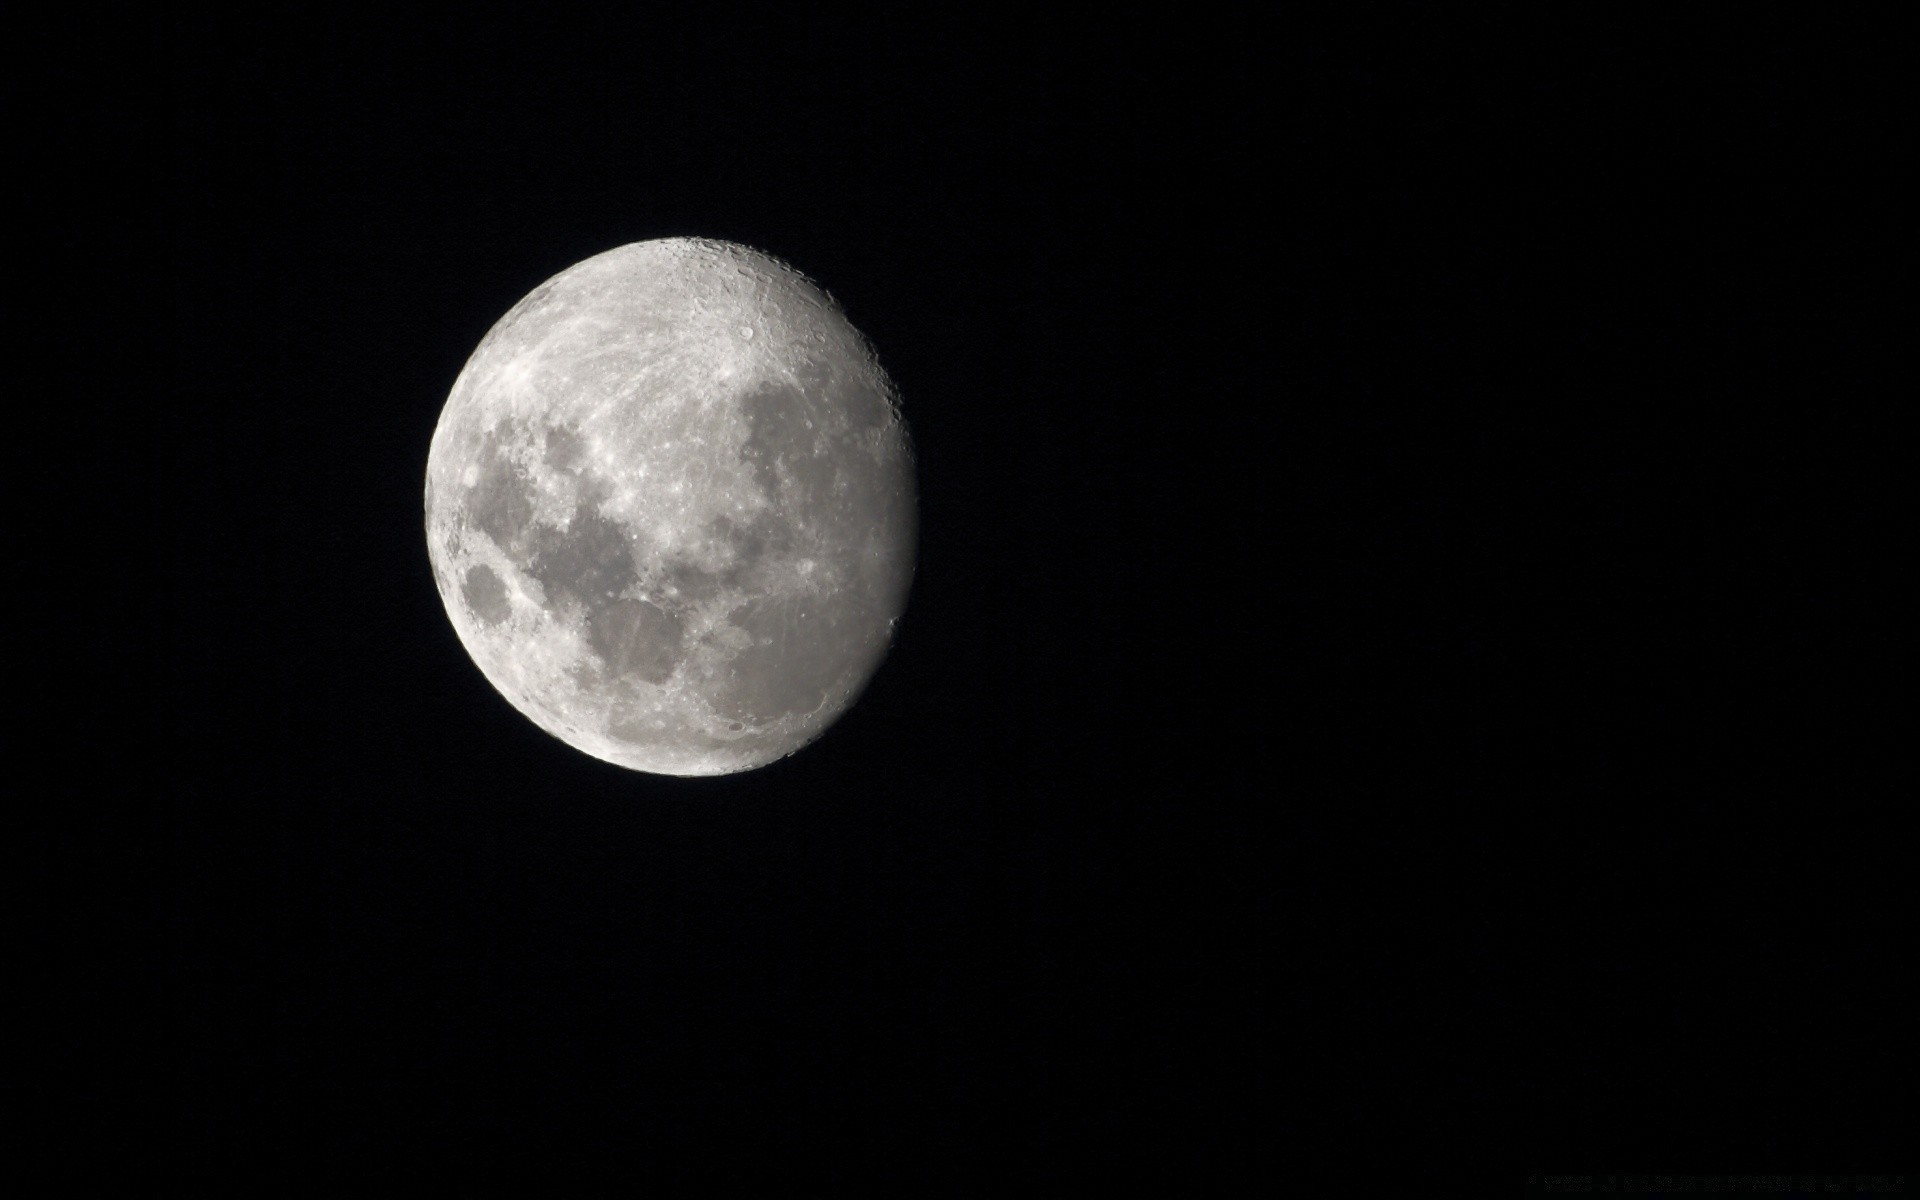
{"points": [[670, 508]]}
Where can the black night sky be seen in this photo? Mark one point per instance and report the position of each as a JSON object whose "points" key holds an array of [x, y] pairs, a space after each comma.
{"points": [[1387, 680]]}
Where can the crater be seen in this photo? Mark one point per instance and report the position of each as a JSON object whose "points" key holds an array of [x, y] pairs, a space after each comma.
{"points": [[636, 638], [485, 595]]}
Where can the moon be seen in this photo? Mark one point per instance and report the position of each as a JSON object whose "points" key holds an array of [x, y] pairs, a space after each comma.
{"points": [[670, 508]]}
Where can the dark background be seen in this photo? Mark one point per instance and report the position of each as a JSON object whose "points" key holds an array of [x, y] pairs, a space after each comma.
{"points": [[1381, 485]]}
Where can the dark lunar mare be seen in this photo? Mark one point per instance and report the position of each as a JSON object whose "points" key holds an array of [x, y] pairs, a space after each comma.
{"points": [[806, 460], [590, 561], [635, 637], [485, 595], [500, 503]]}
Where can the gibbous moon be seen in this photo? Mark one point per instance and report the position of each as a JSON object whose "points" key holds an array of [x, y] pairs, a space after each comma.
{"points": [[670, 508]]}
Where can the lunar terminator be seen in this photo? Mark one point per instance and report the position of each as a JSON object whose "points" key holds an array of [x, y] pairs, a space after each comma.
{"points": [[670, 508]]}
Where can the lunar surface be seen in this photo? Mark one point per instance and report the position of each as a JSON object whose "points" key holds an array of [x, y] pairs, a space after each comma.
{"points": [[670, 508]]}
